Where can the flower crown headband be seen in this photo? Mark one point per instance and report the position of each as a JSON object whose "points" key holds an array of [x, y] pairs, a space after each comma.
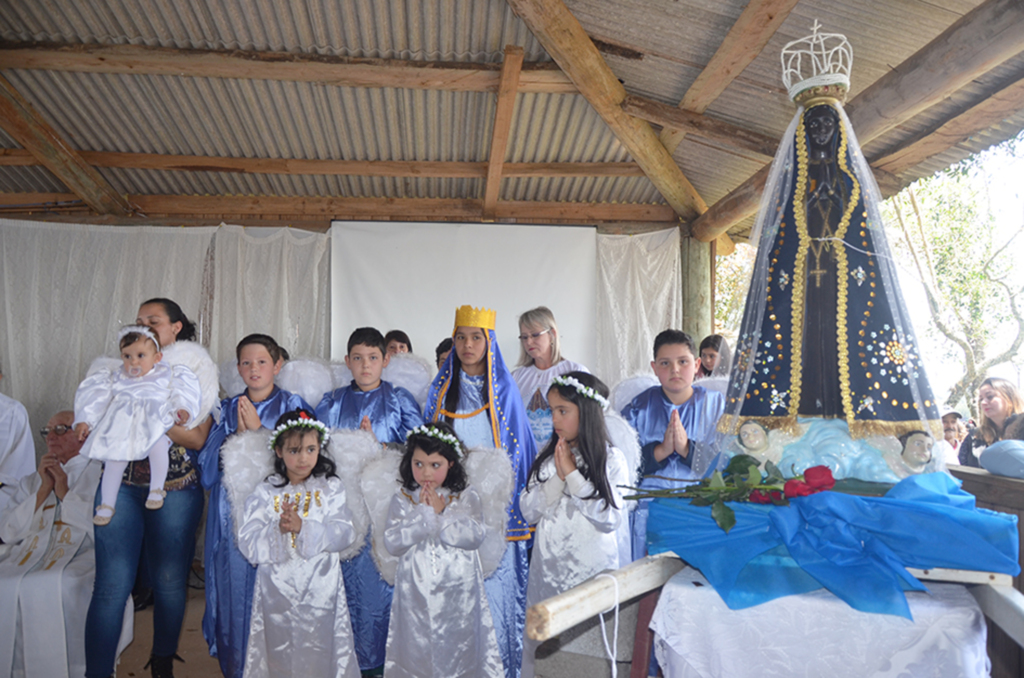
{"points": [[581, 389], [432, 432], [304, 421], [138, 329]]}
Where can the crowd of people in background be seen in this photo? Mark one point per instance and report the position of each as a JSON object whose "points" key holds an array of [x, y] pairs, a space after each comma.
{"points": [[294, 583]]}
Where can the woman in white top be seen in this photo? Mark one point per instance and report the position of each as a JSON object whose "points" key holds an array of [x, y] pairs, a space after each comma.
{"points": [[540, 361]]}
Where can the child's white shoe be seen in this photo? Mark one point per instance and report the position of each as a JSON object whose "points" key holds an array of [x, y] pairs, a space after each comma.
{"points": [[155, 499], [104, 513]]}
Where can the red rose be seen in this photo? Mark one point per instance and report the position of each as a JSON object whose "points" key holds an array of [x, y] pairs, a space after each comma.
{"points": [[760, 497], [820, 478], [797, 488], [776, 495]]}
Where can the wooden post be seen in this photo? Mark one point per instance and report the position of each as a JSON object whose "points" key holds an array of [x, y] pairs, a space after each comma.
{"points": [[698, 309]]}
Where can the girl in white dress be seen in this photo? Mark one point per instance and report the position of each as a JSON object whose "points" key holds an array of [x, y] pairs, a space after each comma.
{"points": [[440, 621], [573, 496], [295, 524], [124, 414]]}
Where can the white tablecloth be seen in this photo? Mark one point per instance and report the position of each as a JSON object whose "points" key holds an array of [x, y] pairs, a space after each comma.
{"points": [[816, 634]]}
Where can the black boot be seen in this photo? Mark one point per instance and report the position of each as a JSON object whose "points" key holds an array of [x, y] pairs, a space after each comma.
{"points": [[162, 667]]}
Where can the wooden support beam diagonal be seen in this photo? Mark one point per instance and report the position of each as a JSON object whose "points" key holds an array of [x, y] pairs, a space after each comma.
{"points": [[742, 44], [978, 42], [324, 69], [510, 70], [569, 45], [989, 112], [28, 128]]}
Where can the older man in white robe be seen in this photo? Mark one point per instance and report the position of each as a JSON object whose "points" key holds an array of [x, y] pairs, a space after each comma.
{"points": [[17, 453], [47, 572]]}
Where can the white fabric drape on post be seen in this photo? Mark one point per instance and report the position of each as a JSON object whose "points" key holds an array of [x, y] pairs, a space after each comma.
{"points": [[277, 285], [67, 290], [639, 294]]}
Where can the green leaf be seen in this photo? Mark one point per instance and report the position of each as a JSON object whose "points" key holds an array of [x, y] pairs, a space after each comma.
{"points": [[717, 481], [774, 474], [723, 515], [754, 473], [739, 464]]}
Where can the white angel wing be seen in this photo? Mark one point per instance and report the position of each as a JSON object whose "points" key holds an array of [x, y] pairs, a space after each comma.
{"points": [[340, 375], [412, 373], [490, 473], [380, 481], [715, 383], [247, 461], [309, 378], [230, 380], [627, 389], [351, 450], [625, 437], [194, 356]]}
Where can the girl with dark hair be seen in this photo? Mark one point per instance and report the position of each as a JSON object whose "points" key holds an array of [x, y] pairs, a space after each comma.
{"points": [[573, 496], [229, 576], [441, 622], [164, 539], [714, 357], [295, 524]]}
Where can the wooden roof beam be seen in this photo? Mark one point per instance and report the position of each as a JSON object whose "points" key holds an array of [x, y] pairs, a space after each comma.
{"points": [[17, 157], [569, 45], [251, 65], [510, 69], [991, 111], [742, 44], [979, 41], [28, 128], [356, 208]]}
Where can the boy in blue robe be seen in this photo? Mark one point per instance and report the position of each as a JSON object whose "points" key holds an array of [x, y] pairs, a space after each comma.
{"points": [[389, 412], [676, 422]]}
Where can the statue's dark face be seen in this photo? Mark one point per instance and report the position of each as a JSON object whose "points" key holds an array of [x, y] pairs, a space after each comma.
{"points": [[821, 123]]}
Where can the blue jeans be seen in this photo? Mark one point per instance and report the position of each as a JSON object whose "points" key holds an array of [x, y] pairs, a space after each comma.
{"points": [[170, 541]]}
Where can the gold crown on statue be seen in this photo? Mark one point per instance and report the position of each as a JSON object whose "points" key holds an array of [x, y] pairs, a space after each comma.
{"points": [[817, 65], [467, 316]]}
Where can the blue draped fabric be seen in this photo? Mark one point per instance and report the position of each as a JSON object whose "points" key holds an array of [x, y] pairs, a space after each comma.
{"points": [[509, 429], [856, 547], [393, 412], [229, 576]]}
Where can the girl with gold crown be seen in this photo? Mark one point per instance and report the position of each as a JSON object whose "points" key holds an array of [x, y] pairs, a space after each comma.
{"points": [[475, 393]]}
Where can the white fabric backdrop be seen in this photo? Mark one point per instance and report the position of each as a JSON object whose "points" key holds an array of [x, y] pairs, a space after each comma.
{"points": [[639, 294], [412, 277], [68, 288]]}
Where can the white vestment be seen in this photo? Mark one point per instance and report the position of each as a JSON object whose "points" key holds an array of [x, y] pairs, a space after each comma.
{"points": [[17, 453], [576, 536], [47, 575], [300, 623]]}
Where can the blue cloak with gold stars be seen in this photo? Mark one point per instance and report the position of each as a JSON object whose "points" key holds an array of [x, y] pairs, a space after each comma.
{"points": [[825, 332]]}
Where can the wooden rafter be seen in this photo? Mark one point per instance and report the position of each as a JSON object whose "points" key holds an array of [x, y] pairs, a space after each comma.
{"points": [[989, 112], [357, 208], [748, 36], [28, 128], [251, 65], [510, 70], [569, 45], [978, 42], [16, 157]]}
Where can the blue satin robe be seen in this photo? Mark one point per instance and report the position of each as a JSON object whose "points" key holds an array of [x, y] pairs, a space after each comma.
{"points": [[393, 412], [229, 576], [649, 413], [504, 424]]}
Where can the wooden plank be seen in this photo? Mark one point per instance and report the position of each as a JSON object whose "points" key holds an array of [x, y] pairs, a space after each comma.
{"points": [[510, 68], [643, 638], [552, 616], [569, 45], [1005, 606], [251, 65], [731, 136], [962, 576], [746, 39], [978, 42], [999, 491], [28, 128], [993, 110]]}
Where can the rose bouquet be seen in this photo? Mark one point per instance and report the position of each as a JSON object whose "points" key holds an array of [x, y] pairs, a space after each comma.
{"points": [[742, 480]]}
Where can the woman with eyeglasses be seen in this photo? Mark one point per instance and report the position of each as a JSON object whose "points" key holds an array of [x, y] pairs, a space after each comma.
{"points": [[540, 361]]}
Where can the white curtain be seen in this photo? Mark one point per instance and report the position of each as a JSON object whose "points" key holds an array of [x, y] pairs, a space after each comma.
{"points": [[639, 294], [68, 288], [277, 285]]}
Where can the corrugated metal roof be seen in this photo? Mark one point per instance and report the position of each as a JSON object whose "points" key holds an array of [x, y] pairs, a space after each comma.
{"points": [[656, 47]]}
